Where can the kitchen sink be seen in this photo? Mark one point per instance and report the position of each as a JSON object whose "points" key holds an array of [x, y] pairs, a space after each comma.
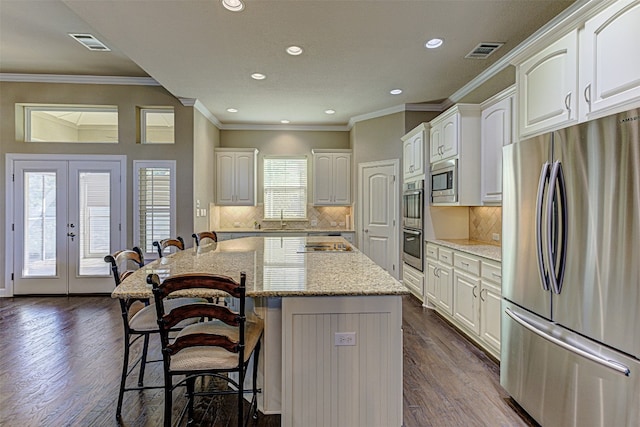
{"points": [[325, 247]]}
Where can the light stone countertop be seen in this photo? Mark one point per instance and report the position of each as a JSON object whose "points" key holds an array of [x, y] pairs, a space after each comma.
{"points": [[284, 230], [274, 268], [472, 247]]}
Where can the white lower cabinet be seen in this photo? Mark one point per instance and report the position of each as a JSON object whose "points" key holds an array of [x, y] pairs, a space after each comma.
{"points": [[466, 290], [413, 280]]}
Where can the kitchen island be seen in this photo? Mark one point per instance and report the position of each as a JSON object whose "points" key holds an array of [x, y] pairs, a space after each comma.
{"points": [[333, 339]]}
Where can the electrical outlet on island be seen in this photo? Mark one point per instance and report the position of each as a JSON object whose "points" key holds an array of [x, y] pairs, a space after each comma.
{"points": [[496, 237]]}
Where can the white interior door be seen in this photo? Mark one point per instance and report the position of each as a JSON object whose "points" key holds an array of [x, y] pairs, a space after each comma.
{"points": [[66, 219], [379, 206]]}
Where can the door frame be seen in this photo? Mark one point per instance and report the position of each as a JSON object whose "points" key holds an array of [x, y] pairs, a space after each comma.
{"points": [[395, 163], [10, 158]]}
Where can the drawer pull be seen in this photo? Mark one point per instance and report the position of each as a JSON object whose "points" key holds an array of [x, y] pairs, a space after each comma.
{"points": [[496, 275], [466, 264]]}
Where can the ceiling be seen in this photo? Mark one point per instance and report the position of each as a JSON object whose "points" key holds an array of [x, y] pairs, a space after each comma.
{"points": [[355, 51]]}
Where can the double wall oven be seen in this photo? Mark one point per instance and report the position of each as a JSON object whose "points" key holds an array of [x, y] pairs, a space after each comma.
{"points": [[412, 216]]}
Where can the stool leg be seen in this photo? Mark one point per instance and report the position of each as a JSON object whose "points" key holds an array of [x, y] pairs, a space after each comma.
{"points": [[143, 360], [123, 378]]}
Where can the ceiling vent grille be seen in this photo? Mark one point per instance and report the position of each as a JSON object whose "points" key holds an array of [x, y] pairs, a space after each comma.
{"points": [[90, 42], [483, 50]]}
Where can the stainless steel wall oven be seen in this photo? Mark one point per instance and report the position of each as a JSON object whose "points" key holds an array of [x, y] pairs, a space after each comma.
{"points": [[413, 213]]}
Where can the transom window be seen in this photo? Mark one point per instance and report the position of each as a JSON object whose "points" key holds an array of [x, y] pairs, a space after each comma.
{"points": [[285, 188], [71, 123], [157, 126]]}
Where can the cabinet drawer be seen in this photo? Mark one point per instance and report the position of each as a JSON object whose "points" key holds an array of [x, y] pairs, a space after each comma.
{"points": [[431, 251], [445, 256], [492, 271], [467, 264]]}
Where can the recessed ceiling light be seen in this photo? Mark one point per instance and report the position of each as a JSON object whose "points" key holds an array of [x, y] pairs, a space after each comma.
{"points": [[294, 50], [330, 111], [284, 122], [395, 91], [232, 110], [233, 5], [258, 76], [433, 43]]}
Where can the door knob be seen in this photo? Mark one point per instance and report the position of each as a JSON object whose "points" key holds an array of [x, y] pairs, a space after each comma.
{"points": [[366, 230], [72, 235]]}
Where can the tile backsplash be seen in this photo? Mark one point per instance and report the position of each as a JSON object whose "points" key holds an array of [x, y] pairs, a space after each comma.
{"points": [[484, 221], [245, 216]]}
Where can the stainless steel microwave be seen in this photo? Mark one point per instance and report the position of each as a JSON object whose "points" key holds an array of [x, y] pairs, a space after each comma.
{"points": [[444, 181]]}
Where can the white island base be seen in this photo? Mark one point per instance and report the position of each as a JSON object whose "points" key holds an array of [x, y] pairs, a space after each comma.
{"points": [[311, 381]]}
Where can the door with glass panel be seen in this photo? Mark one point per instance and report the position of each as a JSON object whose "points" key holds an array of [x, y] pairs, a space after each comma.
{"points": [[67, 218]]}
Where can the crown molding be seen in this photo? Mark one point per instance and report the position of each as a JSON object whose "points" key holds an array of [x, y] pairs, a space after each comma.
{"points": [[392, 110], [568, 16], [319, 128], [73, 79]]}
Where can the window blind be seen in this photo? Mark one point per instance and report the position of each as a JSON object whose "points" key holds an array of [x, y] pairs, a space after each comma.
{"points": [[285, 188], [154, 201]]}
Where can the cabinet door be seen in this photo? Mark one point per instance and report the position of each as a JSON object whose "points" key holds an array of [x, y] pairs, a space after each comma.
{"points": [[431, 280], [445, 289], [244, 179], [407, 159], [490, 311], [341, 179], [495, 133], [450, 136], [609, 58], [322, 179], [435, 140], [413, 280], [465, 297], [225, 193], [418, 153], [547, 85]]}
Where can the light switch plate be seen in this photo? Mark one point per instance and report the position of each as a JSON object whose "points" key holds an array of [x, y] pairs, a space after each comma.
{"points": [[496, 237]]}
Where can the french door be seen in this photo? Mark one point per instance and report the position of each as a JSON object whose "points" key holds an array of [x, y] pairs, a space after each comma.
{"points": [[67, 217]]}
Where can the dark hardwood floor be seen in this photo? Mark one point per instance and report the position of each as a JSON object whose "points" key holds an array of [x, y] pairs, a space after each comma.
{"points": [[60, 361]]}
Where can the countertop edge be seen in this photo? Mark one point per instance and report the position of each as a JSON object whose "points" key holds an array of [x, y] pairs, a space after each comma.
{"points": [[490, 252]]}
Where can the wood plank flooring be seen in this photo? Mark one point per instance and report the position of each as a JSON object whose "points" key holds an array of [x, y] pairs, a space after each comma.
{"points": [[60, 361]]}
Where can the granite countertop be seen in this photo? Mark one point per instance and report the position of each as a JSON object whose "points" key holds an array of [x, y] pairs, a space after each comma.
{"points": [[283, 230], [274, 268], [472, 247]]}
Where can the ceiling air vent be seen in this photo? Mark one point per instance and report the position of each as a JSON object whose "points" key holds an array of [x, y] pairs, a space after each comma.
{"points": [[483, 50], [90, 42]]}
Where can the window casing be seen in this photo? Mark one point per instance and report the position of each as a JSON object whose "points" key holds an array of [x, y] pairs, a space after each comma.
{"points": [[154, 203], [285, 188], [157, 126], [71, 123]]}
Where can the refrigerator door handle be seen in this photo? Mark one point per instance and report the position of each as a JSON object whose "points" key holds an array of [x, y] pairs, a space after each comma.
{"points": [[558, 195], [544, 276], [611, 364]]}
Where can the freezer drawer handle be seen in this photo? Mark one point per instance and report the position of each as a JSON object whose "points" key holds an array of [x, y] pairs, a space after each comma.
{"points": [[616, 366]]}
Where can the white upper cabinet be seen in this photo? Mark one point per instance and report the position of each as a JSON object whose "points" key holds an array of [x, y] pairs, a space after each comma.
{"points": [[547, 85], [610, 59], [455, 135], [496, 131], [236, 177], [331, 177], [413, 144], [591, 71], [445, 135]]}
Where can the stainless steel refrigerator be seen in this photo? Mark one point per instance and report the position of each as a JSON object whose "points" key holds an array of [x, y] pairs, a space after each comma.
{"points": [[571, 274]]}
